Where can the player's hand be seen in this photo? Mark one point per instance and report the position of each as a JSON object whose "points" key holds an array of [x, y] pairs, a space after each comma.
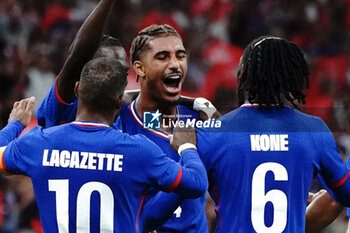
{"points": [[22, 111], [182, 135], [205, 109]]}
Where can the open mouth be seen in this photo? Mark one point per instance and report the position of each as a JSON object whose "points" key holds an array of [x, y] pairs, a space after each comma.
{"points": [[172, 83]]}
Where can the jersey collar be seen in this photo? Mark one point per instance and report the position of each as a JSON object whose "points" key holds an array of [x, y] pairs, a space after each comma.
{"points": [[90, 124], [139, 121], [248, 105]]}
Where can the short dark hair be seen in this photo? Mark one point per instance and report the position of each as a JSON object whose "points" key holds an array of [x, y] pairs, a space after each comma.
{"points": [[140, 42], [102, 81], [272, 70], [109, 41]]}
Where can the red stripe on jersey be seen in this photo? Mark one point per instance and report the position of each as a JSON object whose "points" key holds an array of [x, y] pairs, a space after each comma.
{"points": [[57, 94], [340, 182], [2, 165], [144, 194], [176, 182]]}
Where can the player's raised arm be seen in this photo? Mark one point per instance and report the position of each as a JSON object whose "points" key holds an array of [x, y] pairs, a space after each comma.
{"points": [[19, 118], [83, 49]]}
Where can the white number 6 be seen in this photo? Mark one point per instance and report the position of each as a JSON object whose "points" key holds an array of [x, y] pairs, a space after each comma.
{"points": [[276, 197]]}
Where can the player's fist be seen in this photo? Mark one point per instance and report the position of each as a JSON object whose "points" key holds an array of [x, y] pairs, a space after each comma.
{"points": [[205, 109], [22, 111], [182, 135]]}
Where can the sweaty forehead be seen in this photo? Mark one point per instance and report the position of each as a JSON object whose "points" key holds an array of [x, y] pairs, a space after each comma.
{"points": [[166, 43]]}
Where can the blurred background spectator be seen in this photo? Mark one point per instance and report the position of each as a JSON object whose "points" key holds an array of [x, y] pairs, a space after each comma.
{"points": [[35, 36]]}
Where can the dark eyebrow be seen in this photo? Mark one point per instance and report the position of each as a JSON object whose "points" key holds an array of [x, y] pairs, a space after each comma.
{"points": [[181, 51], [166, 53], [163, 52]]}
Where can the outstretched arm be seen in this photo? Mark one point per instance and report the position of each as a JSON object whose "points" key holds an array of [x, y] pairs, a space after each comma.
{"points": [[83, 49], [321, 211]]}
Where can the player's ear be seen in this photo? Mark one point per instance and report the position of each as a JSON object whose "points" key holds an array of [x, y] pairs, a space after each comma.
{"points": [[139, 68], [120, 101], [76, 89]]}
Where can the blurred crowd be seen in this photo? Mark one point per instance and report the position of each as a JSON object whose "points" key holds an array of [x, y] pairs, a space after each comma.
{"points": [[35, 37]]}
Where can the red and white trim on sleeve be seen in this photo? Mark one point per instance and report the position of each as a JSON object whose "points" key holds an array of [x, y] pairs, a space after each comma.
{"points": [[58, 97], [2, 162], [176, 182], [340, 182]]}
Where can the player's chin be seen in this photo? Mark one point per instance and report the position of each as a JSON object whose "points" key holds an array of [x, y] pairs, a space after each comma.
{"points": [[172, 99]]}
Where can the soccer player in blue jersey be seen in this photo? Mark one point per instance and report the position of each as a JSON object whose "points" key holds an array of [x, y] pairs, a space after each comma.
{"points": [[60, 105], [19, 118], [159, 59], [89, 177], [262, 161]]}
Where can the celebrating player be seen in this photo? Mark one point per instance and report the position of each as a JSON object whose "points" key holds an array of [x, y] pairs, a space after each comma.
{"points": [[263, 159], [60, 105], [90, 177], [19, 118], [160, 61], [163, 78]]}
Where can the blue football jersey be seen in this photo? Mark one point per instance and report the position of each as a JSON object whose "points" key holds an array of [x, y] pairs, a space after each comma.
{"points": [[54, 111], [10, 132], [261, 164], [190, 215], [89, 177]]}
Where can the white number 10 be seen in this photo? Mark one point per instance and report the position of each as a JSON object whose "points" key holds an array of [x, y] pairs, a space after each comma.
{"points": [[276, 197], [61, 187]]}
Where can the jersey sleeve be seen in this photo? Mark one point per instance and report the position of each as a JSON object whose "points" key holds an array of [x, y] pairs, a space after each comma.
{"points": [[20, 154], [189, 180], [10, 132], [54, 111], [332, 168]]}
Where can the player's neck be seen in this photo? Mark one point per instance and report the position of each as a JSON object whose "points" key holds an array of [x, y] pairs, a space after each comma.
{"points": [[144, 104], [84, 114]]}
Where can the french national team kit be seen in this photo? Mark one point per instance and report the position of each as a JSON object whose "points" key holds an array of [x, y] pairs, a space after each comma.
{"points": [[188, 217], [261, 164], [83, 166]]}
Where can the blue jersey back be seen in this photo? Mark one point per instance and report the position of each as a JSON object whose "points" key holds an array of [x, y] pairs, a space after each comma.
{"points": [[261, 164], [104, 170], [190, 216]]}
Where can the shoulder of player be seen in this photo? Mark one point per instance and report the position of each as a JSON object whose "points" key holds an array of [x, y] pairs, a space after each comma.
{"points": [[312, 122], [189, 113]]}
